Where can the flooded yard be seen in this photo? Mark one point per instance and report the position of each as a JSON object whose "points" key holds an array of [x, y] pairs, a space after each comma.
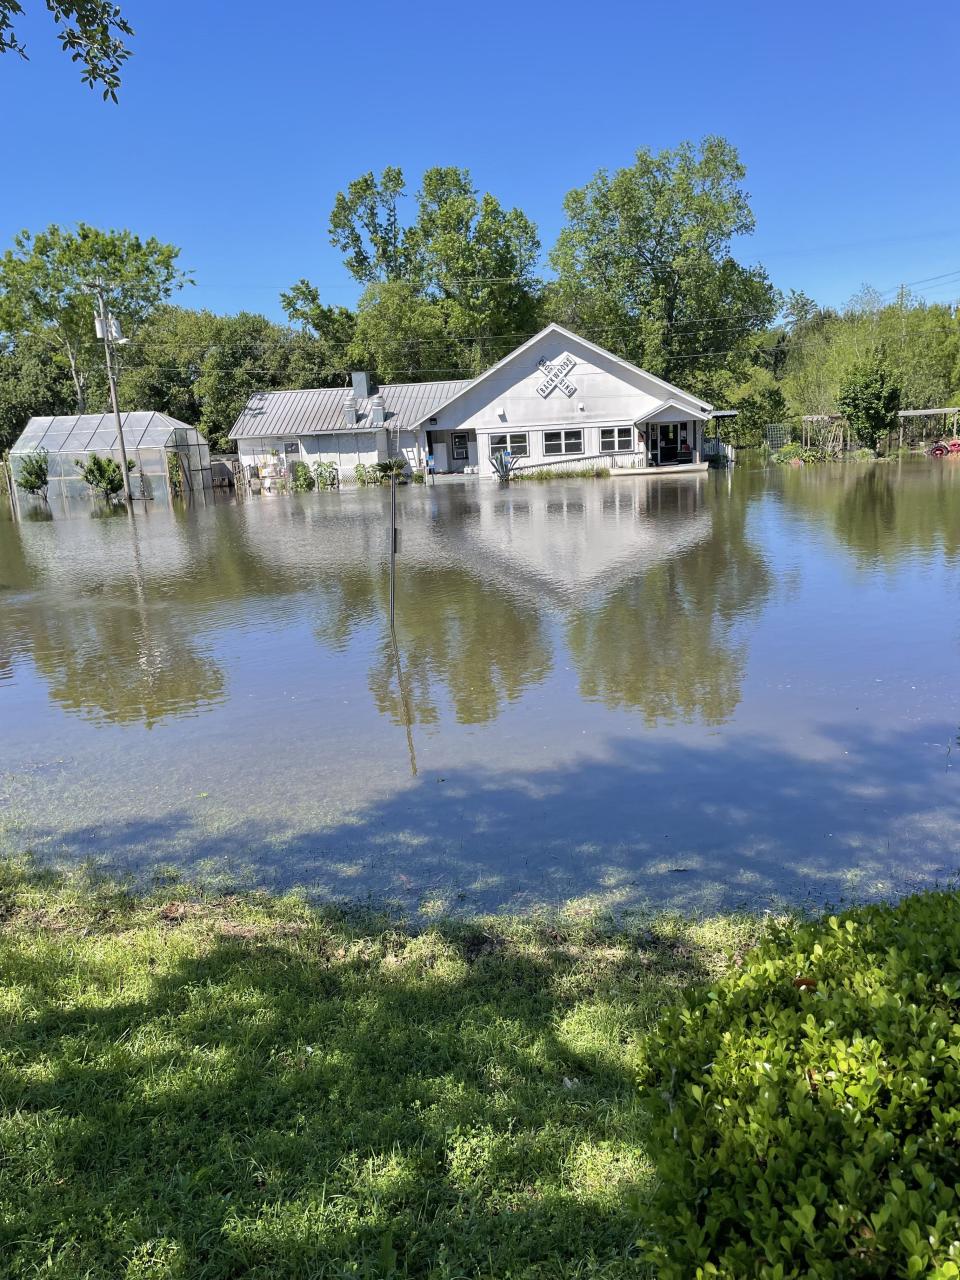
{"points": [[700, 692]]}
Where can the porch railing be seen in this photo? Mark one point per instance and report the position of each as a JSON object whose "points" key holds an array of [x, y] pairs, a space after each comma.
{"points": [[580, 461], [718, 449]]}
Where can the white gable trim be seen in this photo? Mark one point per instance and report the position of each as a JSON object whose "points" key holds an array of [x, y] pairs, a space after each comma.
{"points": [[672, 403], [698, 408]]}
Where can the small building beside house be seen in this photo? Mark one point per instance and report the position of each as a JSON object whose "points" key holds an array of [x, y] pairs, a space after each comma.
{"points": [[558, 400], [156, 443]]}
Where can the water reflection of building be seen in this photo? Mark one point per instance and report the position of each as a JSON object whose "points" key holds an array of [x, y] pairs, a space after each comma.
{"points": [[646, 582]]}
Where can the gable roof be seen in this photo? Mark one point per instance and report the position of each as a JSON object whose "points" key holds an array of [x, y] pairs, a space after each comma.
{"points": [[407, 405], [672, 402], [97, 432], [320, 410], [668, 387]]}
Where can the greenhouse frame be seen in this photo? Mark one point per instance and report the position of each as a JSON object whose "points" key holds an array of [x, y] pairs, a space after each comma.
{"points": [[151, 439]]}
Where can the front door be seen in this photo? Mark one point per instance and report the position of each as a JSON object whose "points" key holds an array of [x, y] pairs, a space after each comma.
{"points": [[669, 446]]}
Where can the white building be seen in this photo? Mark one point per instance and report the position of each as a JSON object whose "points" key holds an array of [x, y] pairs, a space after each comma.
{"points": [[556, 401]]}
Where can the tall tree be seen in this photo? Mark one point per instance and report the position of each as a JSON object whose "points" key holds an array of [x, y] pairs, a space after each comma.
{"points": [[45, 283], [644, 263], [365, 226], [446, 293], [869, 399], [91, 31], [32, 381], [332, 329]]}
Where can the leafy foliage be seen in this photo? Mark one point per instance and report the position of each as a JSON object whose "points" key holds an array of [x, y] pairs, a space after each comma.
{"points": [[445, 294], [644, 263], [34, 379], [366, 473], [33, 473], [302, 477], [326, 475], [821, 346], [795, 451], [103, 474], [202, 368], [91, 31], [869, 399], [45, 291], [806, 1107]]}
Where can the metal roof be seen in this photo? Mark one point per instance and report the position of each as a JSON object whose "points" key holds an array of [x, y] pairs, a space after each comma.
{"points": [[308, 413], [97, 433]]}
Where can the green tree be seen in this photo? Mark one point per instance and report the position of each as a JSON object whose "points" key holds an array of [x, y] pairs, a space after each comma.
{"points": [[869, 399], [162, 366], [45, 284], [251, 354], [103, 474], [446, 294], [91, 31], [33, 473], [365, 227], [33, 381], [331, 328], [644, 263], [759, 401]]}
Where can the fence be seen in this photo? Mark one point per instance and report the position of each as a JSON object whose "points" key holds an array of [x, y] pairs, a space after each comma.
{"points": [[714, 450]]}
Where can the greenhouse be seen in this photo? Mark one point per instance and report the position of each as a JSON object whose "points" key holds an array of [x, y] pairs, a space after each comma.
{"points": [[168, 456]]}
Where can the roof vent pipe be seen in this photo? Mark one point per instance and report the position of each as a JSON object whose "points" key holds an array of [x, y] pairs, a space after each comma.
{"points": [[350, 409], [364, 385], [377, 410]]}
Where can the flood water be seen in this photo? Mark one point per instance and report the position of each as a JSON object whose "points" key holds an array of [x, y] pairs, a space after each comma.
{"points": [[705, 692]]}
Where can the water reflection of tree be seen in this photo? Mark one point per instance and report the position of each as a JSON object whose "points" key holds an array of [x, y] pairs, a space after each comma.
{"points": [[123, 657], [478, 643], [662, 642], [120, 664], [885, 512]]}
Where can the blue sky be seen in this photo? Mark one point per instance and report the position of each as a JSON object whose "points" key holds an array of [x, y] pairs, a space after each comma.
{"points": [[239, 122]]}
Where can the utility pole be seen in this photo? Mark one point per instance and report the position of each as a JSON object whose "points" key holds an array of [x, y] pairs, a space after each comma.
{"points": [[393, 546], [106, 332]]}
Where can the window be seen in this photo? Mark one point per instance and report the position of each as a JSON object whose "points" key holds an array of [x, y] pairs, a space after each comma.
{"points": [[613, 439], [563, 442], [458, 443], [291, 448], [514, 441]]}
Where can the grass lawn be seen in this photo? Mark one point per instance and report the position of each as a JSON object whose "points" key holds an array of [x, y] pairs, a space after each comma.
{"points": [[214, 1087]]}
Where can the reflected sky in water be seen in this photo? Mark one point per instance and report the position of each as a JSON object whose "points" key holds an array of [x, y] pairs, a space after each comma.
{"points": [[699, 692]]}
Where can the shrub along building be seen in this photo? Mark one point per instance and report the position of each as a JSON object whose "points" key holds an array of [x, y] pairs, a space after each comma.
{"points": [[556, 401]]}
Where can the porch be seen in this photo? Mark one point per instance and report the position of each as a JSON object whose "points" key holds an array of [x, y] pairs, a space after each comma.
{"points": [[452, 452]]}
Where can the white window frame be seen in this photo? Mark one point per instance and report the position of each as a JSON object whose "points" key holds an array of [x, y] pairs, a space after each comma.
{"points": [[563, 451], [622, 440], [517, 443]]}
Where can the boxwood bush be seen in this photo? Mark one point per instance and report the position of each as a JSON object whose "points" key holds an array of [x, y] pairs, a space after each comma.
{"points": [[807, 1108]]}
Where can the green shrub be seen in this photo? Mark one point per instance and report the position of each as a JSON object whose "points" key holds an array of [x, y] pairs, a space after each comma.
{"points": [[392, 467], [807, 1109], [862, 455], [326, 475], [418, 477], [558, 473], [33, 475], [795, 451], [367, 474], [301, 477], [103, 474]]}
